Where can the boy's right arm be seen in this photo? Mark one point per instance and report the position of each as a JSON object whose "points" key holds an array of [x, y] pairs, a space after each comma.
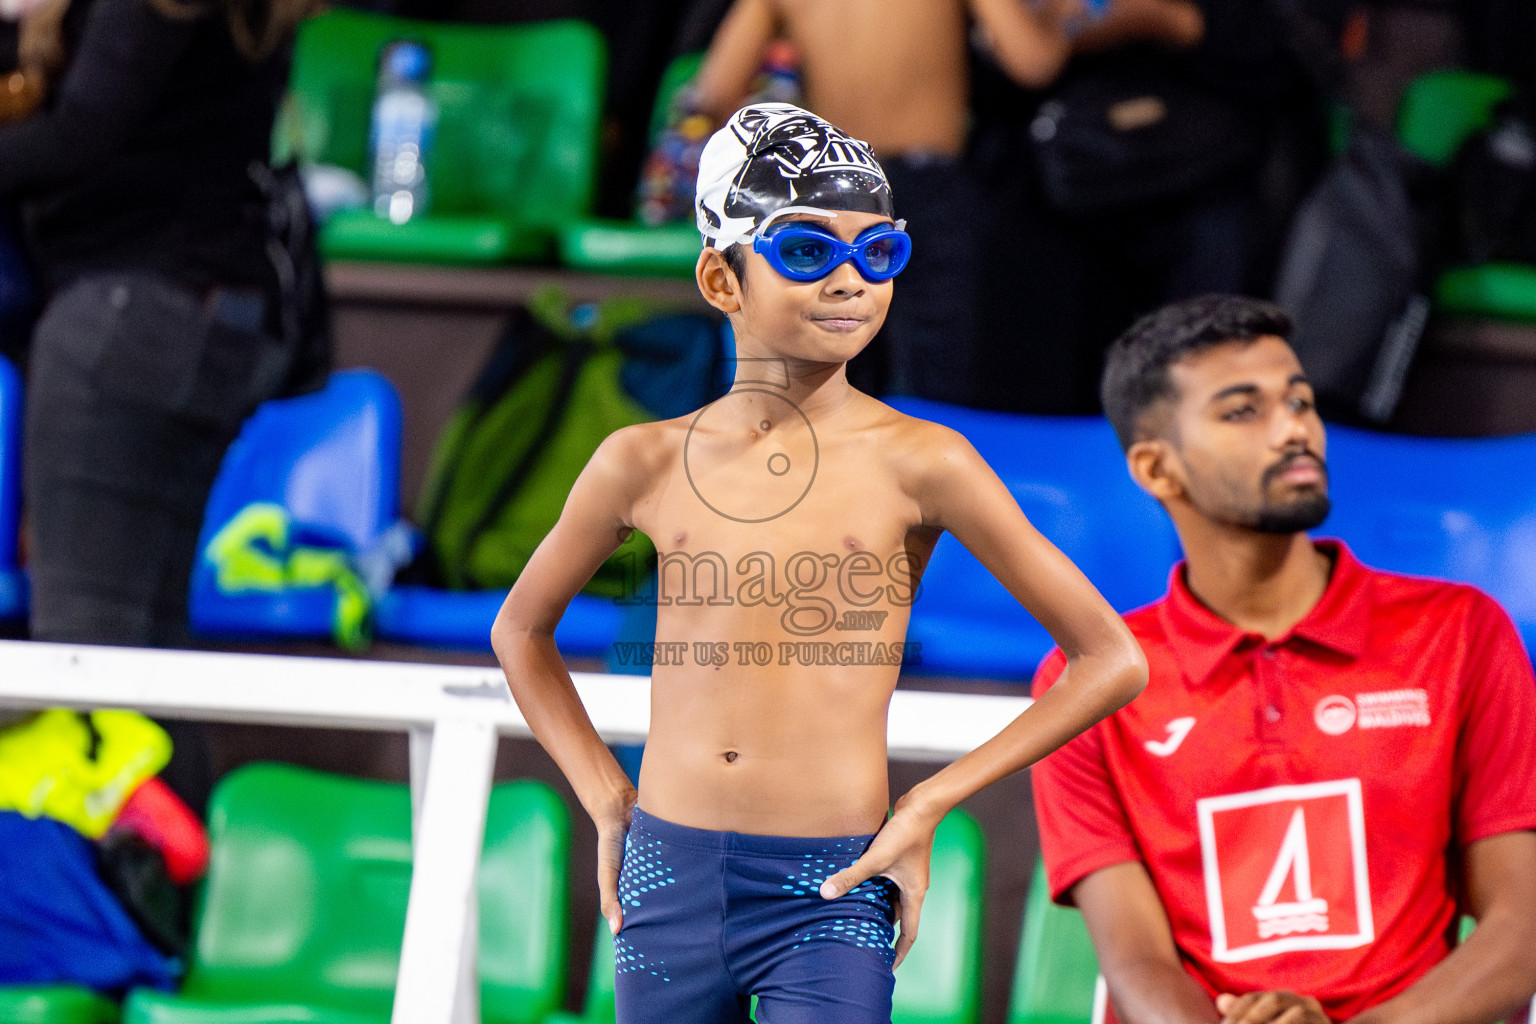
{"points": [[595, 520]]}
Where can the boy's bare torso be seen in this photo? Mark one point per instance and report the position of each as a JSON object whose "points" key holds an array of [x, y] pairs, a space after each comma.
{"points": [[788, 557], [890, 72]]}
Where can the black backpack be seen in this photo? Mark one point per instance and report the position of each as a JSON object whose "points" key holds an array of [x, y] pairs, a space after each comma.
{"points": [[1493, 190], [1354, 272]]}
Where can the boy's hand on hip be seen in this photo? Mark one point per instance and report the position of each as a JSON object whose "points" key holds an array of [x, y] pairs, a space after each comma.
{"points": [[610, 857], [900, 852]]}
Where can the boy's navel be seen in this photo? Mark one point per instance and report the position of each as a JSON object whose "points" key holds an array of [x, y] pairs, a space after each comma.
{"points": [[731, 756]]}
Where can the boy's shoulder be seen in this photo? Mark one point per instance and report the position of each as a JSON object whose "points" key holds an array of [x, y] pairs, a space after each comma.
{"points": [[632, 458], [919, 445], [650, 444]]}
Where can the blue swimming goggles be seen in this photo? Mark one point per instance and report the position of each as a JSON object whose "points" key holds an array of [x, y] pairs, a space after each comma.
{"points": [[805, 252]]}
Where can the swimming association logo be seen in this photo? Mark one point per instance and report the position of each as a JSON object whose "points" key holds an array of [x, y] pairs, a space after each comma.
{"points": [[1335, 715], [756, 474], [1286, 870]]}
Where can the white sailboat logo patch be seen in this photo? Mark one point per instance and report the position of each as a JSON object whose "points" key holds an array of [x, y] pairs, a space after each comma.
{"points": [[1286, 870], [1306, 913]]}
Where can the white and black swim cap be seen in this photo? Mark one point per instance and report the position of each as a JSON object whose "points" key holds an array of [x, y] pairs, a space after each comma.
{"points": [[772, 159]]}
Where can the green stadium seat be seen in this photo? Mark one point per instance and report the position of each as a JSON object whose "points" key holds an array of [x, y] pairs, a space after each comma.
{"points": [[1501, 291], [55, 1004], [628, 246], [514, 155], [524, 883], [940, 980], [1057, 972], [1439, 111], [303, 910], [598, 1008]]}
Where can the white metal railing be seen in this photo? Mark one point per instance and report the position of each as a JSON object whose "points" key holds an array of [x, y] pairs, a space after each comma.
{"points": [[453, 715]]}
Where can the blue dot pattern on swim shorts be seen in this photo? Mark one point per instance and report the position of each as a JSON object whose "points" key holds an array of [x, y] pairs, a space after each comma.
{"points": [[643, 872], [859, 932]]}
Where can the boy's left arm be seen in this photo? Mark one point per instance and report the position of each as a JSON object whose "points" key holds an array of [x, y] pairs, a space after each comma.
{"points": [[957, 491]]}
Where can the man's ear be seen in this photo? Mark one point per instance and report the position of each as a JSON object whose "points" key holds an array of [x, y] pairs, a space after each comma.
{"points": [[1155, 467], [717, 282]]}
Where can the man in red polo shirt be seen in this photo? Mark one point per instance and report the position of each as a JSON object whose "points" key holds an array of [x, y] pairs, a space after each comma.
{"points": [[1330, 765]]}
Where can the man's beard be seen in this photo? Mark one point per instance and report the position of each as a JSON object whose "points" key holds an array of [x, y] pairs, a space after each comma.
{"points": [[1297, 513], [1304, 513]]}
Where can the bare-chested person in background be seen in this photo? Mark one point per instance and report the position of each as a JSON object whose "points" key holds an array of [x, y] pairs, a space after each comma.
{"points": [[894, 74]]}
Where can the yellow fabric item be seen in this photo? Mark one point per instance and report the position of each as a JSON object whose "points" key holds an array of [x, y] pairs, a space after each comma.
{"points": [[253, 553], [47, 768]]}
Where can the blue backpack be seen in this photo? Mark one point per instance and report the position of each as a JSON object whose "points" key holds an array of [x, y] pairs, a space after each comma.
{"points": [[59, 923]]}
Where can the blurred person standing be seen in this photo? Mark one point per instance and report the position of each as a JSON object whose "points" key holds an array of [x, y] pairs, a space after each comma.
{"points": [[894, 74], [1161, 164], [173, 260]]}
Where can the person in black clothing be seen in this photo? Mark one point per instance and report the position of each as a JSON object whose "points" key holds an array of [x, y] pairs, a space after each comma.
{"points": [[1073, 260], [140, 183], [180, 293]]}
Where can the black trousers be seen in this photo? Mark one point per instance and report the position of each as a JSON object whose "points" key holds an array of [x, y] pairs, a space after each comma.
{"points": [[136, 386], [927, 346]]}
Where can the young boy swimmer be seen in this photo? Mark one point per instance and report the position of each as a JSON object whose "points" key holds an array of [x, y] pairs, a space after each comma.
{"points": [[792, 518]]}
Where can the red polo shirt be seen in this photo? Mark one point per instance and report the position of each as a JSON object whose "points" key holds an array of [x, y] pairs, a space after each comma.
{"points": [[1295, 802]]}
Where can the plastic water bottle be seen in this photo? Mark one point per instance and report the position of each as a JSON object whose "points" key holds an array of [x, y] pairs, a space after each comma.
{"points": [[403, 119]]}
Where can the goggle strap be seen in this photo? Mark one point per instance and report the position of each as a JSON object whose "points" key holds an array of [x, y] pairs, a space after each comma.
{"points": [[724, 241]]}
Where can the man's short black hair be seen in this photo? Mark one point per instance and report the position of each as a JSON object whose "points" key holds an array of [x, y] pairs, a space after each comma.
{"points": [[1136, 367]]}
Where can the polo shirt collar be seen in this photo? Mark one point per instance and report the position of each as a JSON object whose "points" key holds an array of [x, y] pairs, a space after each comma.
{"points": [[1202, 639]]}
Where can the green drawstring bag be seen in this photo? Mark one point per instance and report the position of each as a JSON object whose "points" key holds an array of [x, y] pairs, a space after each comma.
{"points": [[508, 457]]}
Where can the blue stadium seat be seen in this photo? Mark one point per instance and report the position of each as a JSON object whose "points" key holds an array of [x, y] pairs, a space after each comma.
{"points": [[462, 619], [1069, 477], [332, 460], [13, 582], [1458, 508]]}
